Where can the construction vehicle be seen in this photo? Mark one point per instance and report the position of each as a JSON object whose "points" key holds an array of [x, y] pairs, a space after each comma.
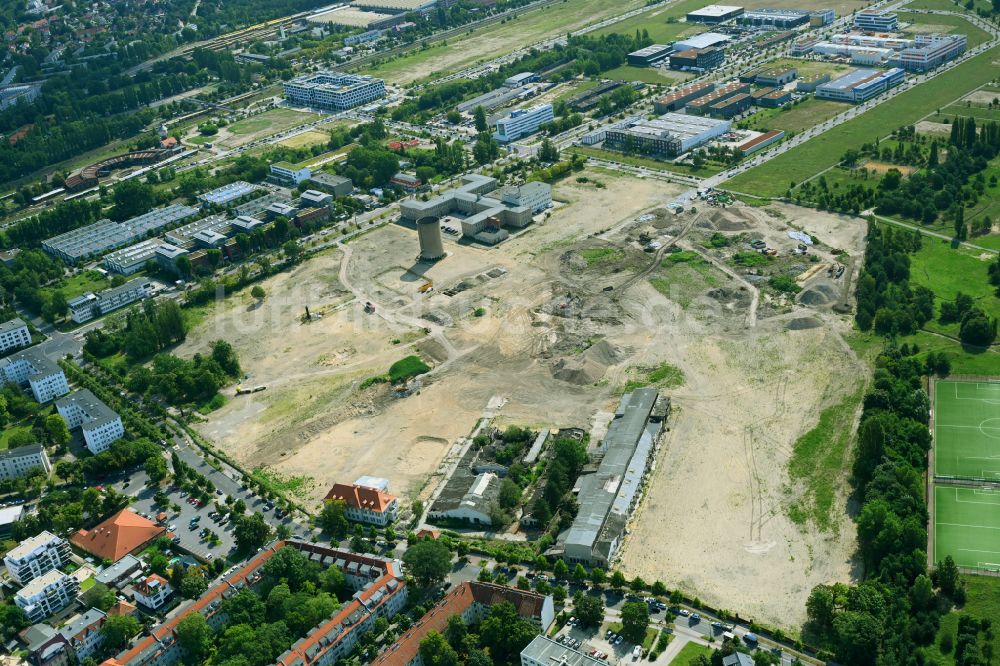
{"points": [[427, 286], [369, 307]]}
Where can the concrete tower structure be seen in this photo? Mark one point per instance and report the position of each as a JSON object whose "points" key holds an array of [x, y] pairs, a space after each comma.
{"points": [[429, 234]]}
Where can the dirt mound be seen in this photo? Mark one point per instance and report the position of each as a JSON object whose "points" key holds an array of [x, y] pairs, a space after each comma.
{"points": [[803, 323], [819, 294], [589, 366], [729, 220], [731, 297]]}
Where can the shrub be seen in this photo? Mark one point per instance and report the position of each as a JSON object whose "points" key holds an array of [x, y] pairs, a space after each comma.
{"points": [[751, 259], [784, 284], [408, 367]]}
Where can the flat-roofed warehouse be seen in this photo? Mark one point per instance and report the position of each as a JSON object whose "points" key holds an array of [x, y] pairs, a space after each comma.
{"points": [[775, 18], [703, 41], [670, 134], [713, 14], [395, 6], [650, 56], [607, 497], [350, 17]]}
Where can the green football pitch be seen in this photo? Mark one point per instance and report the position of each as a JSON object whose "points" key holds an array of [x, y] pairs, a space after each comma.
{"points": [[967, 526], [967, 429]]}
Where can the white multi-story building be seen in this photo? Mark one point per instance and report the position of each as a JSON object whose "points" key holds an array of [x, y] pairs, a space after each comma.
{"points": [[33, 368], [14, 334], [15, 463], [153, 592], [876, 20], [36, 556], [536, 196], [290, 173], [100, 425], [334, 90], [86, 307], [929, 51], [522, 122], [47, 594], [366, 504]]}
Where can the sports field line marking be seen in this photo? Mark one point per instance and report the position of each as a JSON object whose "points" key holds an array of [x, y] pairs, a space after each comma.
{"points": [[975, 527], [962, 501], [974, 550], [972, 427]]}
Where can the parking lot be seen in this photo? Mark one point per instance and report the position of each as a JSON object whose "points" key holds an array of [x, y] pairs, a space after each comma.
{"points": [[180, 522]]}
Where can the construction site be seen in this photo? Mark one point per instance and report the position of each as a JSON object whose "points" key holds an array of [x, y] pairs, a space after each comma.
{"points": [[550, 328]]}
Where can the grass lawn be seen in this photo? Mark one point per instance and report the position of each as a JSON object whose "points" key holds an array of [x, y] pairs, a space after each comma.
{"points": [[967, 111], [80, 284], [773, 178], [644, 74], [925, 23], [599, 256], [306, 139], [689, 652], [683, 281], [947, 271], [574, 88], [819, 462], [274, 119], [982, 601], [657, 165], [807, 67], [9, 432], [795, 117], [87, 584], [947, 5], [513, 34], [655, 22]]}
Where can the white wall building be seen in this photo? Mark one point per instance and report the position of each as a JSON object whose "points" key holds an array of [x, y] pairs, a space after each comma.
{"points": [[290, 173], [84, 633], [523, 122], [15, 463], [86, 307], [876, 20], [33, 368], [36, 556], [14, 334], [100, 425], [153, 592], [47, 594], [334, 90], [536, 196]]}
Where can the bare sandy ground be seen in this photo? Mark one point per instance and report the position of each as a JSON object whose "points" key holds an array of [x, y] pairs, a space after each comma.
{"points": [[714, 520], [555, 348], [313, 422]]}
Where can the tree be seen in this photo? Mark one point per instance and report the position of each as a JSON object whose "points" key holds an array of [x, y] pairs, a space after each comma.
{"points": [[58, 432], [597, 576], [977, 328], [428, 562], [100, 596], [561, 569], [579, 574], [510, 494], [292, 250], [947, 577], [156, 469], [334, 581], [251, 532], [435, 650], [658, 589], [194, 636], [635, 621], [479, 117], [257, 292], [12, 620], [637, 584], [333, 518], [132, 198], [117, 631], [456, 631], [589, 610], [618, 580], [193, 586], [820, 607], [548, 152]]}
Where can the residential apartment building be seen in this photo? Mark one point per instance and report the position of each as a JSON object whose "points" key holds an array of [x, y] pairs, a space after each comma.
{"points": [[379, 591], [47, 594], [876, 20], [364, 504], [334, 90], [15, 463], [86, 307], [471, 601], [523, 122], [33, 368], [13, 335], [153, 592], [83, 633], [100, 425], [36, 556]]}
